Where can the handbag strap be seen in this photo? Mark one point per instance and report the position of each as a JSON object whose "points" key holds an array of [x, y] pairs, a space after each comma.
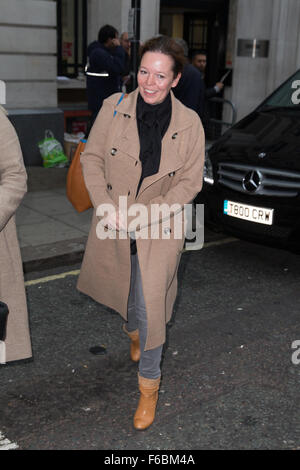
{"points": [[115, 112], [121, 97]]}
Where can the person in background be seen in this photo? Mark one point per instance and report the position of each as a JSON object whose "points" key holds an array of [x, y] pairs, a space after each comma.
{"points": [[211, 110], [148, 149], [199, 60], [190, 89], [16, 344], [125, 43], [104, 55]]}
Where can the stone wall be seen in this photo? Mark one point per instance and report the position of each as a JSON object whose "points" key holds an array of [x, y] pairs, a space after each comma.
{"points": [[28, 52], [276, 21]]}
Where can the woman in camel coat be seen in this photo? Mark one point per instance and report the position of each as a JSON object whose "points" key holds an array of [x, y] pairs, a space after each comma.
{"points": [[13, 178], [148, 148]]}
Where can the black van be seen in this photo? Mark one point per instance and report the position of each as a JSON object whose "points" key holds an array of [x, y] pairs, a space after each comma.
{"points": [[252, 173]]}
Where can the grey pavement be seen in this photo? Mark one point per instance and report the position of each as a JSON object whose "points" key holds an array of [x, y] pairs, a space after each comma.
{"points": [[50, 230]]}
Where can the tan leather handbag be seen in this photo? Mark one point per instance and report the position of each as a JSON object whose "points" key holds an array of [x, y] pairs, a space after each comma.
{"points": [[76, 189]]}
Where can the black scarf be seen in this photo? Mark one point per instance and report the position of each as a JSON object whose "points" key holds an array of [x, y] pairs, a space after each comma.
{"points": [[153, 122]]}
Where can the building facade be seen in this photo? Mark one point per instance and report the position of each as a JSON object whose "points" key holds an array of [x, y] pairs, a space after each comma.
{"points": [[275, 26], [43, 46]]}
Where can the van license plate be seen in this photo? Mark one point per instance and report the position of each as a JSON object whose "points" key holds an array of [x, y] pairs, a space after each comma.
{"points": [[260, 215]]}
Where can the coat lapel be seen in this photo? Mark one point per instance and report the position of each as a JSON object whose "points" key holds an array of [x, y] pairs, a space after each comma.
{"points": [[129, 138]]}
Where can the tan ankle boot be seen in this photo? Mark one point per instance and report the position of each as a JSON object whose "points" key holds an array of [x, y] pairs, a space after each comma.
{"points": [[135, 352], [145, 413]]}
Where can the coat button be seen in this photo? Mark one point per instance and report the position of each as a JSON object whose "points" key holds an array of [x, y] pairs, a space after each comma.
{"points": [[113, 151], [174, 135], [129, 193], [172, 173], [109, 186], [136, 163]]}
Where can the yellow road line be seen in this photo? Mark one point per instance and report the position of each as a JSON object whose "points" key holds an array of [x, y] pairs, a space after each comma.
{"points": [[52, 278], [77, 271], [221, 242]]}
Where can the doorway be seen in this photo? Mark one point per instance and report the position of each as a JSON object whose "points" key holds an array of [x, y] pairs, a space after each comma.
{"points": [[71, 37], [203, 25]]}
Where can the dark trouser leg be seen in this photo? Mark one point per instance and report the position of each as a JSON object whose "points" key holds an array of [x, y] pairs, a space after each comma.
{"points": [[132, 322]]}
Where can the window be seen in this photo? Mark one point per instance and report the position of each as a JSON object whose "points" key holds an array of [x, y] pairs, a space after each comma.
{"points": [[71, 36], [196, 32]]}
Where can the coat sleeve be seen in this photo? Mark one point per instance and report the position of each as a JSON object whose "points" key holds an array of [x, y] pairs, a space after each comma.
{"points": [[210, 92], [113, 63], [190, 183], [13, 177]]}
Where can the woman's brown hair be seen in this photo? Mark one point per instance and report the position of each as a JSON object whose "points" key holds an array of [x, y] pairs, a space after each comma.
{"points": [[169, 47]]}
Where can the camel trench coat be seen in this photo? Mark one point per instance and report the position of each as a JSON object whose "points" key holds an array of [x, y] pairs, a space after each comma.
{"points": [[13, 186], [112, 168]]}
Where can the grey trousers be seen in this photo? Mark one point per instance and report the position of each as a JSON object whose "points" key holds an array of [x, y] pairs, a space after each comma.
{"points": [[149, 365]]}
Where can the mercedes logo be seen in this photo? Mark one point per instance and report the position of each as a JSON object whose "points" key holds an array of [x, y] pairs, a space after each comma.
{"points": [[252, 181]]}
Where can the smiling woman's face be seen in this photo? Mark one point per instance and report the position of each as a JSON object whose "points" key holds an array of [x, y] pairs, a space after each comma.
{"points": [[156, 77]]}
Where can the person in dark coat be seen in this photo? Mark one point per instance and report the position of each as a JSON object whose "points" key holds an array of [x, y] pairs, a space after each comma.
{"points": [[190, 89], [212, 130], [199, 61], [104, 55], [126, 78]]}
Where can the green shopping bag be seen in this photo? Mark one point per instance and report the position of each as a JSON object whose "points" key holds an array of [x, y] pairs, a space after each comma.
{"points": [[52, 151]]}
